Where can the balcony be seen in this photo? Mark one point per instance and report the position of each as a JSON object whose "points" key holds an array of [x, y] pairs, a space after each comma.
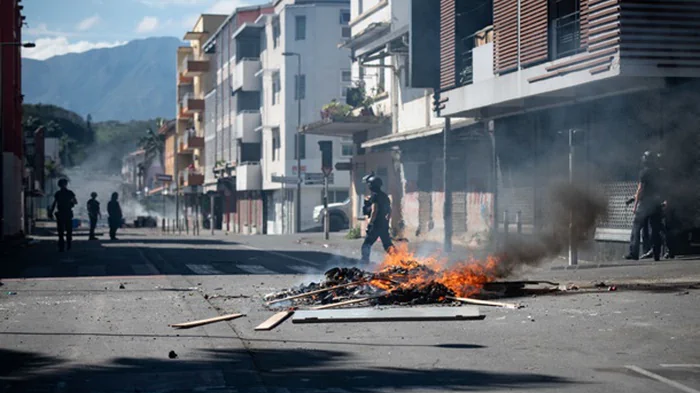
{"points": [[192, 67], [246, 123], [244, 75], [191, 177], [190, 104], [190, 141], [249, 176]]}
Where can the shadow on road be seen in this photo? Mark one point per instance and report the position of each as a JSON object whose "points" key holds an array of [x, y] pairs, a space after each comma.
{"points": [[297, 370]]}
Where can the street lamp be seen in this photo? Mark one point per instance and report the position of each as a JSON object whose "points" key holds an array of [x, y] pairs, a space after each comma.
{"points": [[298, 136], [22, 44]]}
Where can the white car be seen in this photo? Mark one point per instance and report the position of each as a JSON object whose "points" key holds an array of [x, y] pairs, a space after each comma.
{"points": [[339, 214]]}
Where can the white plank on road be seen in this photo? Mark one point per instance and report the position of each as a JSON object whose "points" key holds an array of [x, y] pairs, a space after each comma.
{"points": [[204, 269], [669, 382]]}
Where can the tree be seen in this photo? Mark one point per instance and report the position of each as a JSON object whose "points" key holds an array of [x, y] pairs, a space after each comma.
{"points": [[153, 144]]}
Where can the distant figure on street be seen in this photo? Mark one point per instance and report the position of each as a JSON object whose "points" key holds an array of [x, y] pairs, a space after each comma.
{"points": [[93, 208], [115, 216], [647, 208], [378, 208], [63, 202]]}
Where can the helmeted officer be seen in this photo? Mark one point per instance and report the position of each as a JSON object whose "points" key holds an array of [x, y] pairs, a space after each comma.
{"points": [[647, 207], [378, 208]]}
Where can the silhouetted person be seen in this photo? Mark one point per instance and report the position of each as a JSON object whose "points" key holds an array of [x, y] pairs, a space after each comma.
{"points": [[63, 202], [647, 208], [378, 208], [93, 208], [115, 216]]}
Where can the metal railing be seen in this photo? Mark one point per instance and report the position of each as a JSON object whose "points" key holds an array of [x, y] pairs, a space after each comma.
{"points": [[566, 35], [465, 60]]}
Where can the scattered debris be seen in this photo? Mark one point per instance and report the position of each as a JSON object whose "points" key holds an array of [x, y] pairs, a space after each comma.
{"points": [[487, 303], [172, 355], [11, 293], [388, 314], [121, 286], [601, 285], [201, 322], [275, 320], [612, 288]]}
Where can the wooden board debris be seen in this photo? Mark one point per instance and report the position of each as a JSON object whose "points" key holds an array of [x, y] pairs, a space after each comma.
{"points": [[187, 325], [346, 303], [307, 294], [274, 320], [388, 314], [486, 302]]}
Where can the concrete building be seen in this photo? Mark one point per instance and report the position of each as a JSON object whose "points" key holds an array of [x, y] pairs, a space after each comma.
{"points": [[617, 75], [195, 78], [11, 142], [228, 109]]}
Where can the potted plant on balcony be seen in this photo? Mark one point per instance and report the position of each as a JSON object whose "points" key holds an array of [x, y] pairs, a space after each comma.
{"points": [[335, 109]]}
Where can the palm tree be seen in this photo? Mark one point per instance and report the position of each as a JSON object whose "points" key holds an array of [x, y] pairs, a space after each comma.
{"points": [[153, 144]]}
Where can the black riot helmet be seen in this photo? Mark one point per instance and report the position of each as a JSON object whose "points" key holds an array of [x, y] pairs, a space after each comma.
{"points": [[648, 159], [375, 183]]}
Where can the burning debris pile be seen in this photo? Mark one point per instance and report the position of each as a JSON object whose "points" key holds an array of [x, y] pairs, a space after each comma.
{"points": [[400, 280]]}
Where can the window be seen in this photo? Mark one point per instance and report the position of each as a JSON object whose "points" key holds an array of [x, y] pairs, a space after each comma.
{"points": [[302, 148], [344, 17], [276, 88], [276, 32], [346, 76], [276, 144], [565, 28], [300, 28], [344, 91], [345, 32], [360, 8], [299, 88], [346, 147]]}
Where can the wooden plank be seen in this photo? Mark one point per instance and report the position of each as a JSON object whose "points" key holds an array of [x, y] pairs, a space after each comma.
{"points": [[404, 314], [346, 303], [187, 325], [581, 59], [316, 292], [274, 320], [486, 302]]}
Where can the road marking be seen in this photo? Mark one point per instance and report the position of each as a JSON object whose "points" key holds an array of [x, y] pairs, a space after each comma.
{"points": [[144, 269], [302, 260], [255, 269], [680, 365], [204, 269], [304, 269], [92, 270], [665, 380]]}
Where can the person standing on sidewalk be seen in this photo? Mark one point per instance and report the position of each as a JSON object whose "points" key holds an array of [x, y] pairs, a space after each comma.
{"points": [[115, 216], [63, 202], [93, 208], [379, 208], [647, 208]]}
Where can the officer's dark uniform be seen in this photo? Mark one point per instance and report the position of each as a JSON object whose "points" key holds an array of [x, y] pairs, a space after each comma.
{"points": [[63, 202], [648, 210], [115, 216], [93, 207], [380, 227]]}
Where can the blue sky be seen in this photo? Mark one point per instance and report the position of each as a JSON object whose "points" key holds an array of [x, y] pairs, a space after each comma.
{"points": [[65, 26]]}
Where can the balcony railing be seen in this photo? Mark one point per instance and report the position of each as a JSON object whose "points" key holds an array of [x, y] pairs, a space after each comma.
{"points": [[566, 35], [193, 66], [191, 177]]}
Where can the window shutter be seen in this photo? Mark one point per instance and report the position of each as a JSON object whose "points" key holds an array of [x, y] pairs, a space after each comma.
{"points": [[583, 12], [534, 39], [447, 43], [505, 26]]}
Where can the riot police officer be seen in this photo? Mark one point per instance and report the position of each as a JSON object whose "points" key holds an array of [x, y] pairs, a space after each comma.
{"points": [[647, 207], [378, 208]]}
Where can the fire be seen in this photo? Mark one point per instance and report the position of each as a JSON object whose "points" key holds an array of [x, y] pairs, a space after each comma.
{"points": [[401, 269]]}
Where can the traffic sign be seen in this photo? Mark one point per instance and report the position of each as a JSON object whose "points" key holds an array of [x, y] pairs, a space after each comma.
{"points": [[312, 179], [327, 170], [343, 166], [285, 179], [162, 177]]}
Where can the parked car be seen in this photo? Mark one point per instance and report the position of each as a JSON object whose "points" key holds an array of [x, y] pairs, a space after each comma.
{"points": [[339, 215]]}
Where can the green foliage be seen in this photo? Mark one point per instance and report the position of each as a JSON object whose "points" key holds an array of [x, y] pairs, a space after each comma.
{"points": [[354, 233], [73, 132], [154, 146], [335, 109]]}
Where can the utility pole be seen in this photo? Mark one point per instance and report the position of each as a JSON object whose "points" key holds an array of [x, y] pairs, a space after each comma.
{"points": [[298, 137], [573, 251], [326, 148], [438, 105], [211, 212]]}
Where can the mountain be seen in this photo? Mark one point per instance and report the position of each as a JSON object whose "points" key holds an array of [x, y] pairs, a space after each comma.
{"points": [[135, 81]]}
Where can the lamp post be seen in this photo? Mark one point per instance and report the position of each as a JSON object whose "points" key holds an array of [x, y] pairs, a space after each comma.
{"points": [[2, 140], [298, 137]]}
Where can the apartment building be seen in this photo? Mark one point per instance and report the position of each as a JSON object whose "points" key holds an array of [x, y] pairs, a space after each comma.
{"points": [[301, 64], [606, 79], [195, 78], [231, 106]]}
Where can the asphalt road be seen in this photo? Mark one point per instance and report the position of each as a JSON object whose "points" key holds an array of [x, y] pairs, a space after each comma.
{"points": [[96, 320]]}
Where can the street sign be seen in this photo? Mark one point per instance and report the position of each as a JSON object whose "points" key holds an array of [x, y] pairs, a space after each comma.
{"points": [[343, 166], [327, 170], [162, 177], [285, 179], [313, 179]]}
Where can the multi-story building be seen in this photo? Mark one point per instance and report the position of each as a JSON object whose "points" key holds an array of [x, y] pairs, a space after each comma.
{"points": [[607, 79], [195, 78], [11, 144], [230, 108]]}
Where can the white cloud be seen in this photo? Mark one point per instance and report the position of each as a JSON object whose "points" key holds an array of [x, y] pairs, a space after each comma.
{"points": [[147, 24], [226, 6], [49, 47], [88, 23], [43, 30], [165, 3]]}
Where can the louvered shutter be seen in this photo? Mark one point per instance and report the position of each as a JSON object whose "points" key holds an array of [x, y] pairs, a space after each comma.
{"points": [[505, 24], [447, 43], [534, 41]]}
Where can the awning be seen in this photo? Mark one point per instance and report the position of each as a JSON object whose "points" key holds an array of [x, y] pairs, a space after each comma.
{"points": [[248, 29], [370, 33], [414, 134], [194, 35], [346, 126], [381, 43]]}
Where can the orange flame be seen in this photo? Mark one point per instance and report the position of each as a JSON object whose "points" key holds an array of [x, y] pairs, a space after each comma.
{"points": [[464, 279]]}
